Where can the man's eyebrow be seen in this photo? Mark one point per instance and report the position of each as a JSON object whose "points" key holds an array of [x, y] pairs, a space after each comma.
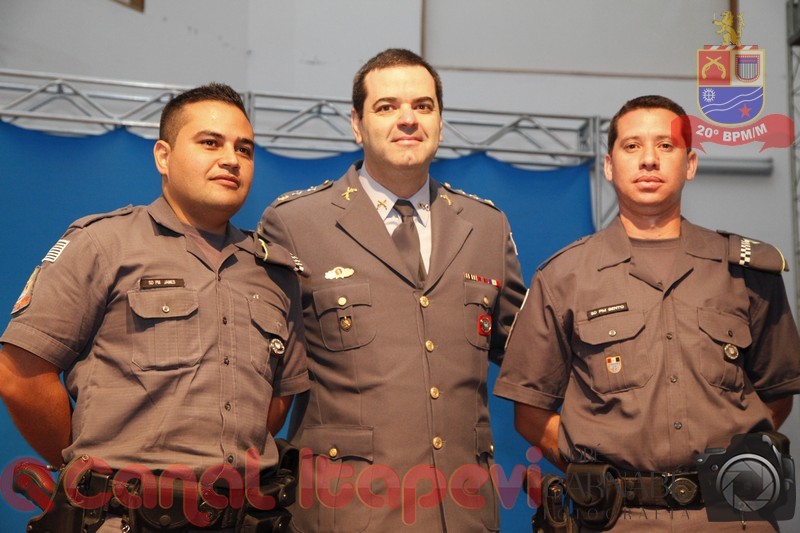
{"points": [[216, 135]]}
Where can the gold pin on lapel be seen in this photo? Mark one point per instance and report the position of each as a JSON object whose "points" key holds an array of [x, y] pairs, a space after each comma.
{"points": [[346, 194], [448, 200], [339, 273], [383, 204]]}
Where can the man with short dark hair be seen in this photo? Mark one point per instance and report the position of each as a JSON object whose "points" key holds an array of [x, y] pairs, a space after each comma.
{"points": [[656, 338], [412, 291], [178, 335]]}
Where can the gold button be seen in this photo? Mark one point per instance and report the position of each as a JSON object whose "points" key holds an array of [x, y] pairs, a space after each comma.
{"points": [[434, 392], [165, 309], [491, 448], [423, 301], [333, 452], [438, 442], [485, 300], [276, 346], [731, 351], [429, 346], [342, 300], [612, 333]]}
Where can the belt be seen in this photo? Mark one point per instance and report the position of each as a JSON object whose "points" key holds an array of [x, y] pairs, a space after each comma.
{"points": [[661, 489]]}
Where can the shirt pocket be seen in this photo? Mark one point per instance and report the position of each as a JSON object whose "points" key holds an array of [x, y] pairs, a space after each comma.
{"points": [[166, 328], [612, 349], [479, 300], [345, 316], [729, 337], [268, 335]]}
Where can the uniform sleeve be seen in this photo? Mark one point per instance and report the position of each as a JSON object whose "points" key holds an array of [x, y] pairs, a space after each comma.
{"points": [[536, 367], [510, 298], [291, 376], [67, 301], [773, 364], [273, 228]]}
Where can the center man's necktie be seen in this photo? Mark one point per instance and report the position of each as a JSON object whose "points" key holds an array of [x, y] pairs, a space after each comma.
{"points": [[407, 240]]}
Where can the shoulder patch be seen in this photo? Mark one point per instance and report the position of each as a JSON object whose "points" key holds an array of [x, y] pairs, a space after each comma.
{"points": [[293, 195], [91, 219], [568, 247], [468, 195], [750, 253], [275, 254]]}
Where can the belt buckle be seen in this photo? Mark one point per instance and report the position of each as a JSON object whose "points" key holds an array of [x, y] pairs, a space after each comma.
{"points": [[681, 489]]}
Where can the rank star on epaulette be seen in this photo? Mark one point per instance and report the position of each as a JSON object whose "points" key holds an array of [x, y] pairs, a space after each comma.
{"points": [[298, 265]]}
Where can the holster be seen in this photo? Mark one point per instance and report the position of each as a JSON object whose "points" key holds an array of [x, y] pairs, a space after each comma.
{"points": [[553, 515], [596, 494]]}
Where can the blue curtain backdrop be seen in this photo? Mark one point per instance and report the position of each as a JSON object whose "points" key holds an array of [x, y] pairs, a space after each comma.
{"points": [[49, 181]]}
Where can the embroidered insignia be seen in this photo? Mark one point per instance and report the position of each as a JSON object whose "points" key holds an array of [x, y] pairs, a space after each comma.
{"points": [[746, 251], [264, 248], [383, 204], [614, 364], [475, 277], [24, 299], [607, 310], [55, 251], [298, 265], [346, 194], [339, 273]]}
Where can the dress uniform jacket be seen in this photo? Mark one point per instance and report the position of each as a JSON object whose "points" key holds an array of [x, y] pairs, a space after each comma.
{"points": [[169, 359], [649, 373], [398, 372]]}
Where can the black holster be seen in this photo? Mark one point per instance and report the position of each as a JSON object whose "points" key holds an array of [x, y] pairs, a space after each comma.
{"points": [[553, 515], [596, 493]]}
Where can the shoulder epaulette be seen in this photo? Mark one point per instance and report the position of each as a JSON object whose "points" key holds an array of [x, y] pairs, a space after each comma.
{"points": [[275, 254], [468, 195], [757, 255], [568, 247], [293, 195], [91, 219]]}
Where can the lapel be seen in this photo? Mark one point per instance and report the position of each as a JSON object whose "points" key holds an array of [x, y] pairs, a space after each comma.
{"points": [[360, 220], [449, 231]]}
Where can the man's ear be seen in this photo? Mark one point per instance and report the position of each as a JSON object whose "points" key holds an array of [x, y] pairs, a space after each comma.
{"points": [[355, 122], [161, 152]]}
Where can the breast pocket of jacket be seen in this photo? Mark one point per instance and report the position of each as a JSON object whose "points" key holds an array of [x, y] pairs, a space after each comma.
{"points": [[614, 353], [479, 300], [166, 328], [345, 316], [268, 335], [729, 336]]}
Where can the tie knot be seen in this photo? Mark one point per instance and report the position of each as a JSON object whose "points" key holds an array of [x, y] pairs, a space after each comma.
{"points": [[405, 208]]}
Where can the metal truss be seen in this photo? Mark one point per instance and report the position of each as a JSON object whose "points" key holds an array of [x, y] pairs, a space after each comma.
{"points": [[304, 126]]}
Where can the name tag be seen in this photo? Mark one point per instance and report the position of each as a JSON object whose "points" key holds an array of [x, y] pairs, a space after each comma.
{"points": [[160, 283], [607, 310]]}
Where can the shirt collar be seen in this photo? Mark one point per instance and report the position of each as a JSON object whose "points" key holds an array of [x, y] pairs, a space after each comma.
{"points": [[383, 199]]}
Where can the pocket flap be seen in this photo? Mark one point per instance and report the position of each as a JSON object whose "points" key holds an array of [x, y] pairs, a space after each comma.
{"points": [[341, 296], [268, 319], [163, 303], [338, 442], [608, 329], [482, 294], [724, 327], [483, 440]]}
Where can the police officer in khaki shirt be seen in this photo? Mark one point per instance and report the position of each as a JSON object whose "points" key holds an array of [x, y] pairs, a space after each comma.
{"points": [[657, 338], [178, 335], [399, 344]]}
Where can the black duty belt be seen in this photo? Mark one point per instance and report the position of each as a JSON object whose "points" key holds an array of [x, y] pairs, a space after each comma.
{"points": [[661, 489]]}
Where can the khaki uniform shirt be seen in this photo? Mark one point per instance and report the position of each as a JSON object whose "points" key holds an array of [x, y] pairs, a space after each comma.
{"points": [[648, 373], [168, 360], [398, 372]]}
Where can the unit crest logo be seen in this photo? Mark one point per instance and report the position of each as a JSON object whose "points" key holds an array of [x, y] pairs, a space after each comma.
{"points": [[730, 93]]}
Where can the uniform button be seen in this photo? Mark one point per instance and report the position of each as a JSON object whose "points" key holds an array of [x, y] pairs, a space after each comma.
{"points": [[434, 392], [333, 453], [669, 336], [230, 458], [485, 300], [423, 301], [612, 333], [673, 379], [224, 320], [429, 346], [731, 352], [226, 361], [342, 300], [491, 448], [227, 406], [165, 309], [677, 425], [438, 443]]}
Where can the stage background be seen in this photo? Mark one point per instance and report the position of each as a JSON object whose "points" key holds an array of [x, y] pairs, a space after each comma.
{"points": [[49, 181]]}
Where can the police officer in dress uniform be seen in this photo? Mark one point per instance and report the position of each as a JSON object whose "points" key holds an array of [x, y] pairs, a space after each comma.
{"points": [[657, 338], [178, 335], [399, 337]]}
